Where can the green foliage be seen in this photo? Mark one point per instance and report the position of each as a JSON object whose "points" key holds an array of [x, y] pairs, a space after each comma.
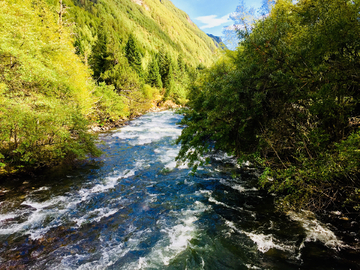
{"points": [[40, 131], [150, 93], [166, 72], [86, 37], [110, 106], [100, 60], [180, 94], [286, 98], [122, 76]]}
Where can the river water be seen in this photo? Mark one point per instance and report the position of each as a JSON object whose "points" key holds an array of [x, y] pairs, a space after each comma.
{"points": [[133, 208]]}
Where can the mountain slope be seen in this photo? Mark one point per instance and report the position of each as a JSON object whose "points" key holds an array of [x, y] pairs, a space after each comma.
{"points": [[155, 24], [184, 35], [159, 32]]}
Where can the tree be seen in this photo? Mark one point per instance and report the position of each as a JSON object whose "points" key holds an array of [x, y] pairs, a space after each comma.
{"points": [[181, 64], [166, 72], [154, 77], [133, 55], [100, 58]]}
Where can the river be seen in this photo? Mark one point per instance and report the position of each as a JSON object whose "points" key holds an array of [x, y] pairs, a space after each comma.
{"points": [[133, 208]]}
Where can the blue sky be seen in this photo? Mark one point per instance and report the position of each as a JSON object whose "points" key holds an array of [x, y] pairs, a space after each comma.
{"points": [[212, 15]]}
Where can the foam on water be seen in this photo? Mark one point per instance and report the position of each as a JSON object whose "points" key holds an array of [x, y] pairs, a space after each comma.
{"points": [[315, 230], [58, 207], [176, 238], [249, 266], [110, 253], [6, 217], [266, 242], [263, 242], [42, 205], [149, 129], [41, 189], [236, 186], [95, 215], [38, 212], [213, 200], [109, 183], [167, 156], [222, 156], [179, 236]]}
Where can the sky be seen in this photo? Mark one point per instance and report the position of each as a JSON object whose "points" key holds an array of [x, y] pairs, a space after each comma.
{"points": [[212, 16]]}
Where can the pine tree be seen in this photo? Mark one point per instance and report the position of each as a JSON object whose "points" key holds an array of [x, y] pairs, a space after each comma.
{"points": [[133, 55], [181, 63], [99, 60], [165, 66], [154, 77], [169, 82]]}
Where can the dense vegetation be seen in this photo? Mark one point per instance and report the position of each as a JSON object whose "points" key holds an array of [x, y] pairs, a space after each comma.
{"points": [[69, 63], [288, 100]]}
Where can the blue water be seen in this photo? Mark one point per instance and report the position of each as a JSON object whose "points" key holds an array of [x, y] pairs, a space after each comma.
{"points": [[134, 208]]}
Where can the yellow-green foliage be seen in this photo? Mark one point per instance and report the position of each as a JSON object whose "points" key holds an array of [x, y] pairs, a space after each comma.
{"points": [[109, 104], [184, 35], [40, 131], [150, 92], [45, 89], [41, 52], [180, 95]]}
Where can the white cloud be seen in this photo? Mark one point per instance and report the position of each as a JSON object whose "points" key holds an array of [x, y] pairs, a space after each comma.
{"points": [[212, 21]]}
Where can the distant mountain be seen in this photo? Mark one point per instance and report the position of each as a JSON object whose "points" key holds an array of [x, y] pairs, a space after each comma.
{"points": [[218, 41], [215, 38]]}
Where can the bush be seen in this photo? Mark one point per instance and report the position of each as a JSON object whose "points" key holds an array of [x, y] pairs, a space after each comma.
{"points": [[38, 131], [150, 92], [109, 105]]}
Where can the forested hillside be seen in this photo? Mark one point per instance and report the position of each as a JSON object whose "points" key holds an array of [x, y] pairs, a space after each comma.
{"points": [[288, 100], [117, 38], [69, 63]]}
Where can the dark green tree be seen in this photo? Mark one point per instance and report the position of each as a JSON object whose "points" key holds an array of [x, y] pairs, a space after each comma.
{"points": [[133, 55], [100, 58], [166, 71], [169, 82], [154, 77]]}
